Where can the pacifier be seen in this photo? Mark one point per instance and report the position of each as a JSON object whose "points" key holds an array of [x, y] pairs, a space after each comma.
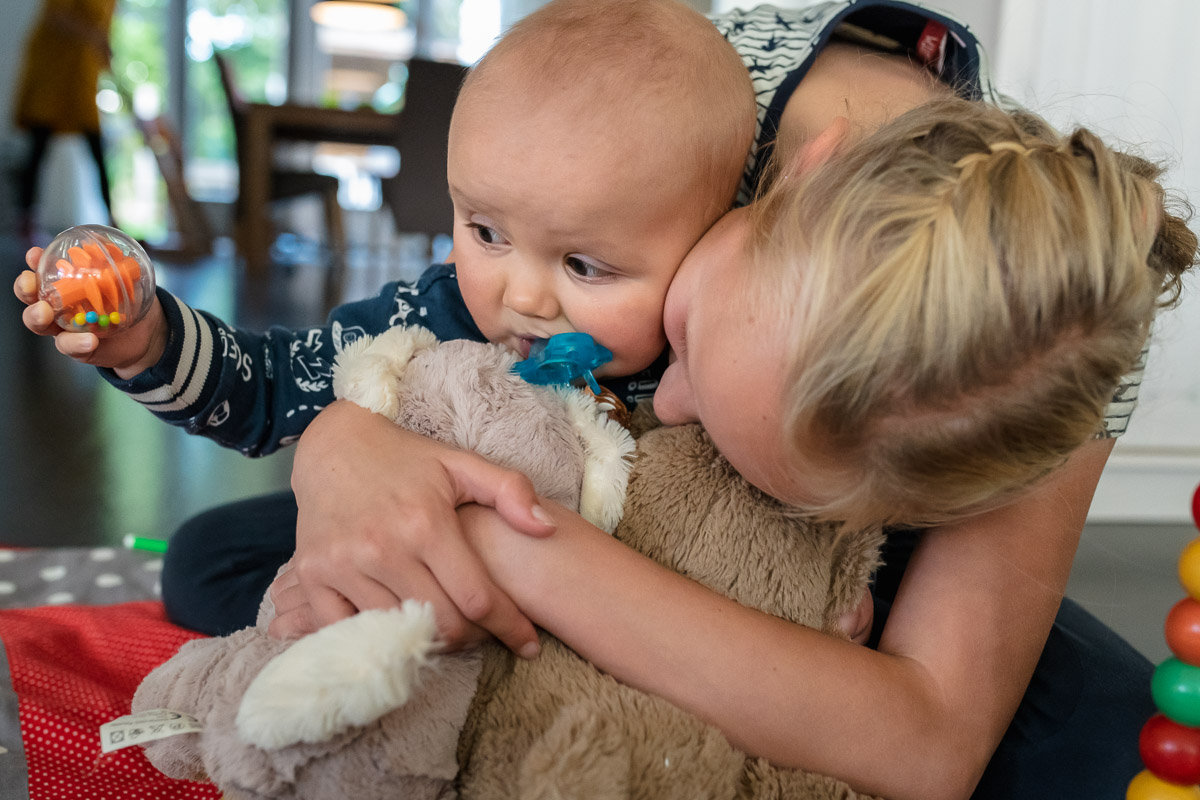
{"points": [[562, 358]]}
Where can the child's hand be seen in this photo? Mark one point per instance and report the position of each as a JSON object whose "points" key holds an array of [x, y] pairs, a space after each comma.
{"points": [[128, 353], [856, 623], [377, 524]]}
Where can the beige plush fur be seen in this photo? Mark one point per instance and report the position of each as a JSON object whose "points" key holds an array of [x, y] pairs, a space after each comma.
{"points": [[558, 728], [486, 725]]}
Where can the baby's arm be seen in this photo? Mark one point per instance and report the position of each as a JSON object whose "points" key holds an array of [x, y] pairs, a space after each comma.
{"points": [[919, 718], [251, 392]]}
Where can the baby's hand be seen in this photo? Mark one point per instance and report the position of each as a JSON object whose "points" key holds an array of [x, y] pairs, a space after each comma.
{"points": [[377, 525], [132, 351]]}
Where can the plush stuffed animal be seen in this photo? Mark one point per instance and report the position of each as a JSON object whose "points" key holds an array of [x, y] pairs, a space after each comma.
{"points": [[362, 709]]}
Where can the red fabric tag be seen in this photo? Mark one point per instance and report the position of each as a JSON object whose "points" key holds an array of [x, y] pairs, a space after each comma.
{"points": [[931, 46], [74, 668]]}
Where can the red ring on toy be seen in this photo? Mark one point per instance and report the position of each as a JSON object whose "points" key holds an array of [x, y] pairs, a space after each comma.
{"points": [[1196, 506], [1170, 750]]}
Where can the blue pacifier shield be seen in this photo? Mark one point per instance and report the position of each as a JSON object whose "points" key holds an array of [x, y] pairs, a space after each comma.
{"points": [[563, 358]]}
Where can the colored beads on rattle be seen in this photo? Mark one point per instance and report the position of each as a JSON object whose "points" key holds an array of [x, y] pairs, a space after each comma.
{"points": [[96, 279], [1170, 741]]}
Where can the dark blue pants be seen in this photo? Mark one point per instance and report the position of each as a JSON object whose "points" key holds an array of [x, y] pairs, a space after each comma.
{"points": [[220, 563], [1074, 735]]}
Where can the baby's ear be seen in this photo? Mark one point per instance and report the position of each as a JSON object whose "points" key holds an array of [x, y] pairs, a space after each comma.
{"points": [[819, 149]]}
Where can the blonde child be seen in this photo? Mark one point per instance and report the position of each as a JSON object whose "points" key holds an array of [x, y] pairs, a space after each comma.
{"points": [[921, 715], [953, 221], [572, 212]]}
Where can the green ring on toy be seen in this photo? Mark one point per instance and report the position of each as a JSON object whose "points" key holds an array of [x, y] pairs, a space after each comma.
{"points": [[1175, 688]]}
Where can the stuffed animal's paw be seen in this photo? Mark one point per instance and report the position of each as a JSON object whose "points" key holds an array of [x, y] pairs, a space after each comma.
{"points": [[348, 674], [609, 451], [368, 371]]}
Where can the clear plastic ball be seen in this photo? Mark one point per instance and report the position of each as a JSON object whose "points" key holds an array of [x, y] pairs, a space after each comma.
{"points": [[96, 279]]}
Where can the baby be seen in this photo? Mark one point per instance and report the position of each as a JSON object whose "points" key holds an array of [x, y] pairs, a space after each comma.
{"points": [[589, 151]]}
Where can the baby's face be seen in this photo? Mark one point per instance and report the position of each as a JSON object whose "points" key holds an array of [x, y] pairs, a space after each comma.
{"points": [[727, 368], [563, 227]]}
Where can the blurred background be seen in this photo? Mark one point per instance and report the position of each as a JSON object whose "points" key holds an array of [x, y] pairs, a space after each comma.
{"points": [[262, 151]]}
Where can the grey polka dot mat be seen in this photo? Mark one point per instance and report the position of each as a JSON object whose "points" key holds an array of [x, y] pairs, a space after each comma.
{"points": [[78, 575]]}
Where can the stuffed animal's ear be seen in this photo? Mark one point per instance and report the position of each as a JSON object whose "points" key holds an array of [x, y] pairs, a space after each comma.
{"points": [[608, 457], [369, 370]]}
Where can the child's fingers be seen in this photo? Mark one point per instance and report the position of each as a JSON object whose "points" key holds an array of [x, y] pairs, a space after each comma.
{"points": [[32, 256], [467, 583], [477, 480], [294, 623], [76, 345], [39, 318], [25, 287]]}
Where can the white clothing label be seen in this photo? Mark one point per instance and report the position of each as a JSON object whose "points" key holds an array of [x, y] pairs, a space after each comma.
{"points": [[156, 723]]}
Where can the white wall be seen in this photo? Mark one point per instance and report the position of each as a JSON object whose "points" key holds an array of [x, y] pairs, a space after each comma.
{"points": [[1130, 77]]}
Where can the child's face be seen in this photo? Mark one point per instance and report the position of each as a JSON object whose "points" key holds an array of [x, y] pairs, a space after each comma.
{"points": [[727, 368], [563, 227]]}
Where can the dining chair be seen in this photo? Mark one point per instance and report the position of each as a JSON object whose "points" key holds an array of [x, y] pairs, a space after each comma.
{"points": [[418, 195], [190, 237], [285, 183]]}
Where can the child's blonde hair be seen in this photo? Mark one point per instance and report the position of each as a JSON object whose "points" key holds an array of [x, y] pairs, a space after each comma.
{"points": [[608, 62], [968, 289]]}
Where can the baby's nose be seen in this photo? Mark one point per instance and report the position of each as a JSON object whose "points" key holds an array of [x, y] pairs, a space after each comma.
{"points": [[531, 295]]}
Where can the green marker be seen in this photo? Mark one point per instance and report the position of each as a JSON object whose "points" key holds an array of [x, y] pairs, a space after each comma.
{"points": [[144, 543]]}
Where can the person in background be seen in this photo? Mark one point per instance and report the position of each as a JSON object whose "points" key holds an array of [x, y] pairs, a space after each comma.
{"points": [[64, 55]]}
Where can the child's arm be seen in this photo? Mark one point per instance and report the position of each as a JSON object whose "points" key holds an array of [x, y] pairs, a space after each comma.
{"points": [[248, 391], [919, 718], [387, 530]]}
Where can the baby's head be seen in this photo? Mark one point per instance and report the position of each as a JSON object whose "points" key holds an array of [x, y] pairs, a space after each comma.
{"points": [[589, 150], [938, 316]]}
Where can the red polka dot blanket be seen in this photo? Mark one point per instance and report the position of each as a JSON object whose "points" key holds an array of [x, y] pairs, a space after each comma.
{"points": [[65, 670]]}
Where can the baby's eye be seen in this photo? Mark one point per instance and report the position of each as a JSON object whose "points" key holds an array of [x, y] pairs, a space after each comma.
{"points": [[486, 235], [586, 268]]}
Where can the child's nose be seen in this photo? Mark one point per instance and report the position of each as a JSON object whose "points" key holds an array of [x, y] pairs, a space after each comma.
{"points": [[530, 294]]}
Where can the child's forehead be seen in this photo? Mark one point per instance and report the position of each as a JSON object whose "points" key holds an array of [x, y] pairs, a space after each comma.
{"points": [[548, 140]]}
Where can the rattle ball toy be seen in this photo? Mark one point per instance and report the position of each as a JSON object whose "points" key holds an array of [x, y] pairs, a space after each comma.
{"points": [[96, 279]]}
